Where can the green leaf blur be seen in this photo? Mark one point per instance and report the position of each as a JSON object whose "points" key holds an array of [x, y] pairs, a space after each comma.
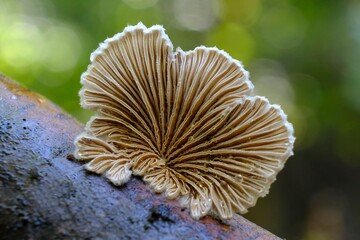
{"points": [[303, 55]]}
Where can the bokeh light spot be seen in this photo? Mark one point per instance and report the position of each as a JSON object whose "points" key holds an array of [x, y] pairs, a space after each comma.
{"points": [[196, 15], [62, 47], [271, 81], [140, 4], [20, 43], [353, 20], [351, 86], [242, 11], [283, 27], [235, 39]]}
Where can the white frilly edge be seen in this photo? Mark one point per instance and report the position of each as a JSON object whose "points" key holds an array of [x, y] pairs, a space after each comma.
{"points": [[289, 152], [78, 137], [283, 116], [140, 26], [104, 45], [118, 36], [226, 55]]}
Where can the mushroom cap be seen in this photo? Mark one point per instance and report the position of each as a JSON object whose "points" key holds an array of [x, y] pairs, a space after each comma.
{"points": [[184, 121]]}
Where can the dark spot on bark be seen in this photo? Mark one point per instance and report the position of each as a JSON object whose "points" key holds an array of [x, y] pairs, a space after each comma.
{"points": [[70, 157], [146, 227], [57, 152], [160, 214], [35, 176], [4, 153]]}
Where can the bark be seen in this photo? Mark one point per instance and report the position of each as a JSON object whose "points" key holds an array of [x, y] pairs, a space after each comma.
{"points": [[46, 194]]}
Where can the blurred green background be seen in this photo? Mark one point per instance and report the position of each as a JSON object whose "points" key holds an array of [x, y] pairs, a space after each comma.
{"points": [[304, 55]]}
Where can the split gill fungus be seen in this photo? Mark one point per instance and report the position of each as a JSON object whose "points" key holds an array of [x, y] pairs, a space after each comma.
{"points": [[184, 121]]}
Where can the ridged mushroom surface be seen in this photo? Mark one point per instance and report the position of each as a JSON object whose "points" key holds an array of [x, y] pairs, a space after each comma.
{"points": [[184, 121]]}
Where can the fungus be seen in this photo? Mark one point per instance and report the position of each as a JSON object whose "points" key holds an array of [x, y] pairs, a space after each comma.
{"points": [[184, 121]]}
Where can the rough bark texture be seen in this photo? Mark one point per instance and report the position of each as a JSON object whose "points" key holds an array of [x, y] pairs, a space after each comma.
{"points": [[46, 194]]}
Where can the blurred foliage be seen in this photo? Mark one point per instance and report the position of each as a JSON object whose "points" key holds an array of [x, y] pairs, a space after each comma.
{"points": [[304, 55]]}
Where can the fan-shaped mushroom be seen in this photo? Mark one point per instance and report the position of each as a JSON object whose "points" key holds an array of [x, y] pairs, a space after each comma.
{"points": [[184, 121]]}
